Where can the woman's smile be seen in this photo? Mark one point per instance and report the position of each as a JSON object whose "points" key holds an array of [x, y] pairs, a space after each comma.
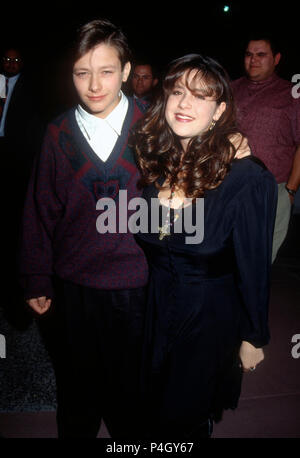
{"points": [[180, 117]]}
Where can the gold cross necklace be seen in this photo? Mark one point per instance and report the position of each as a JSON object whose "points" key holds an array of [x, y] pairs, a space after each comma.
{"points": [[164, 230]]}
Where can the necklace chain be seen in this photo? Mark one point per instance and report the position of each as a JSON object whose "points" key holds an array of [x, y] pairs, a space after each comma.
{"points": [[165, 229]]}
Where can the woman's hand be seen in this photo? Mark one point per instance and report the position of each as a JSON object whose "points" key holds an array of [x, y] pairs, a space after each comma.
{"points": [[250, 356], [39, 304]]}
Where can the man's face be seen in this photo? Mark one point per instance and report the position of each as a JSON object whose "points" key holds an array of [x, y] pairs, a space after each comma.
{"points": [[259, 60], [142, 80], [98, 77], [12, 62]]}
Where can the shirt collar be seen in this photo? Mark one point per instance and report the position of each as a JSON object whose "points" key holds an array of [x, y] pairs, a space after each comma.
{"points": [[115, 119], [266, 82], [14, 78]]}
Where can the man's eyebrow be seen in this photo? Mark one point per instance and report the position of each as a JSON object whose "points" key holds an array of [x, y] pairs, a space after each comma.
{"points": [[76, 69], [104, 67], [141, 74], [107, 66], [255, 52]]}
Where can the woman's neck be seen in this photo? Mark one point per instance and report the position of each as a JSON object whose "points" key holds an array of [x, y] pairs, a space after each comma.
{"points": [[173, 197]]}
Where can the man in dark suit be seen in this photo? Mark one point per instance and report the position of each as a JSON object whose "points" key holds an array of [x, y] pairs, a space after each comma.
{"points": [[21, 133], [20, 127]]}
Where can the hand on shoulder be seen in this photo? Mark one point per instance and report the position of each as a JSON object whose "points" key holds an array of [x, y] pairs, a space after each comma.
{"points": [[241, 144]]}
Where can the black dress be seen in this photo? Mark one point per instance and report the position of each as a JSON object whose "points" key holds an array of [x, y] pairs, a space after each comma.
{"points": [[205, 298]]}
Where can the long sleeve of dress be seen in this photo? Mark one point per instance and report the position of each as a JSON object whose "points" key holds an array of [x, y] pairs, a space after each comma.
{"points": [[41, 212], [252, 237]]}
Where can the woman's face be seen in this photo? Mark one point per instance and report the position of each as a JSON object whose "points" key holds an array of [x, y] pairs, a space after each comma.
{"points": [[188, 112]]}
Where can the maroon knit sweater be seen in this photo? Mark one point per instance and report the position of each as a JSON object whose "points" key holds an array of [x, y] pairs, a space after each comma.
{"points": [[59, 234]]}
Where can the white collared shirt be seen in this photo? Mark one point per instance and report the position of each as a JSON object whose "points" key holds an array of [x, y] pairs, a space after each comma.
{"points": [[11, 84], [2, 87], [102, 134]]}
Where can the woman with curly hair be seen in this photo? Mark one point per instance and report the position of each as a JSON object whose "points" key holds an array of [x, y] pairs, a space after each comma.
{"points": [[207, 317]]}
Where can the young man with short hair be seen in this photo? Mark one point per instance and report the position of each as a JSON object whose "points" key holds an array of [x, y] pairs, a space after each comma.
{"points": [[95, 280]]}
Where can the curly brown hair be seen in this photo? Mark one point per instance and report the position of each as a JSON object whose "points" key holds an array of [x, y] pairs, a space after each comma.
{"points": [[206, 160]]}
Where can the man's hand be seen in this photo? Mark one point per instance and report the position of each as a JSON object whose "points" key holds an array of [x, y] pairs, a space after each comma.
{"points": [[241, 145], [39, 304]]}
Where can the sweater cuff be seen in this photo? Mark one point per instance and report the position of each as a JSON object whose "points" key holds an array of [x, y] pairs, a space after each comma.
{"points": [[37, 286]]}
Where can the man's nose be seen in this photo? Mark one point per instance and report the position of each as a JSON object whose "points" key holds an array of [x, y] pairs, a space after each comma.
{"points": [[95, 83], [254, 58]]}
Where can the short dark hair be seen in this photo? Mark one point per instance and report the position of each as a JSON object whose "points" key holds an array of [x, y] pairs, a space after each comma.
{"points": [[259, 36], [101, 31], [141, 62]]}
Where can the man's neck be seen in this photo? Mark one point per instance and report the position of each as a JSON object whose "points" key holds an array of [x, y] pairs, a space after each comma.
{"points": [[262, 81]]}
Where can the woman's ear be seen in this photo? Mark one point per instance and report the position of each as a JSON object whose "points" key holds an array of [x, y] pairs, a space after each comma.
{"points": [[219, 111]]}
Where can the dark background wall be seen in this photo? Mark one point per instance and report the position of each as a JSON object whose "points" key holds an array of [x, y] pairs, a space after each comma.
{"points": [[159, 30]]}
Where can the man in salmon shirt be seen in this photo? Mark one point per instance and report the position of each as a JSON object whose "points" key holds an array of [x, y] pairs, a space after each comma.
{"points": [[269, 116]]}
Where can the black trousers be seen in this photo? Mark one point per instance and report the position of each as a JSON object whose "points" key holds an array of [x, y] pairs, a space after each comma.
{"points": [[97, 360]]}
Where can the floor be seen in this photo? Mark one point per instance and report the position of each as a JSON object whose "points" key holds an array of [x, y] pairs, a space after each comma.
{"points": [[270, 401]]}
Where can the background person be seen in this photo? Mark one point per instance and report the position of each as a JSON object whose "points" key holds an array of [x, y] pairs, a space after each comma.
{"points": [[143, 81], [2, 93], [269, 116], [21, 133]]}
